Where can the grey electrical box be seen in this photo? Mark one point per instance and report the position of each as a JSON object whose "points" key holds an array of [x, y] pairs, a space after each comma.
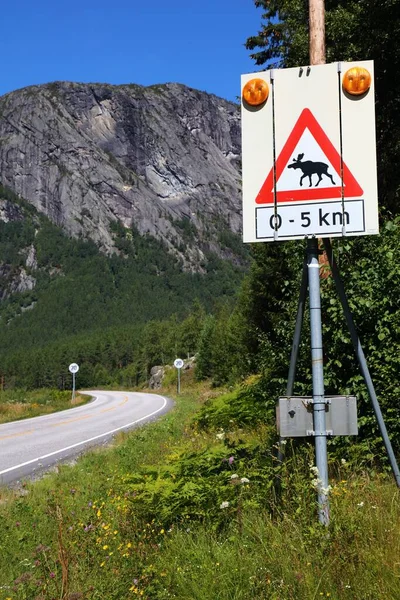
{"points": [[294, 416]]}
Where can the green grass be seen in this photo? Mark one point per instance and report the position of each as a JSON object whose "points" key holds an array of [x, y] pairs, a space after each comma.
{"points": [[53, 532], [22, 404], [92, 532], [287, 557]]}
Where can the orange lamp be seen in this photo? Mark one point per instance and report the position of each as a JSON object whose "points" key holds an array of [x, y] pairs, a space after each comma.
{"points": [[255, 92], [356, 81]]}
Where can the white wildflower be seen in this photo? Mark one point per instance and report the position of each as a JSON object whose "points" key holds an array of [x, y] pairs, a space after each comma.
{"points": [[244, 480], [224, 504], [314, 471], [316, 483], [360, 504], [220, 436], [234, 476], [344, 461], [326, 490]]}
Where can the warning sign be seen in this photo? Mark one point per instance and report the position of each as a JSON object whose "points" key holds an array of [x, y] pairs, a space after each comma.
{"points": [[308, 156], [314, 172]]}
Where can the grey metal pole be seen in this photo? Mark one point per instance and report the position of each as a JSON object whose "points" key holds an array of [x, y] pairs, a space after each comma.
{"points": [[361, 360], [319, 405], [73, 387], [179, 381]]}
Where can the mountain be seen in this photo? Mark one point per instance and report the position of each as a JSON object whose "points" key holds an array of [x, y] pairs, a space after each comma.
{"points": [[164, 159], [119, 210]]}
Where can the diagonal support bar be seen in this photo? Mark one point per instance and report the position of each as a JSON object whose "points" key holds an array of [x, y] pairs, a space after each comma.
{"points": [[361, 360], [297, 330]]}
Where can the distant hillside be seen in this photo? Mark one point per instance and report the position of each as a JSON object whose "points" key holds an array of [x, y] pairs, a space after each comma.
{"points": [[56, 290], [163, 160]]}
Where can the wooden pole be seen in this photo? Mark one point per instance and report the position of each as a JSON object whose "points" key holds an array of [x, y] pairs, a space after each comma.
{"points": [[317, 32], [318, 57]]}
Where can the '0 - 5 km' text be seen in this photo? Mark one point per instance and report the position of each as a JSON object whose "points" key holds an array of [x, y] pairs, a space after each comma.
{"points": [[305, 219]]}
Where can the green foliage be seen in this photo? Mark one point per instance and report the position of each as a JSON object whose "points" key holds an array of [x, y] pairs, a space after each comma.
{"points": [[200, 485], [257, 337], [93, 309], [248, 406], [20, 403], [233, 241], [15, 236], [204, 363], [187, 228], [174, 511]]}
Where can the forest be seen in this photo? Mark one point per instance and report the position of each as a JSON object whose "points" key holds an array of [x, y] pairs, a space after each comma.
{"points": [[117, 316]]}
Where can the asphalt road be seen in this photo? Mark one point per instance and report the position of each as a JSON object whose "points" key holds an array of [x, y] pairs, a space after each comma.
{"points": [[31, 446]]}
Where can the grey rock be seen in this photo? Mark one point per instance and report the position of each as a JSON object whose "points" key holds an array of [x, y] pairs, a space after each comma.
{"points": [[164, 159], [156, 376], [190, 363], [30, 257], [13, 280], [10, 212]]}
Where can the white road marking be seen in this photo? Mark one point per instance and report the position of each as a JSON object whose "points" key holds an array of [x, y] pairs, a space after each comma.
{"points": [[29, 462]]}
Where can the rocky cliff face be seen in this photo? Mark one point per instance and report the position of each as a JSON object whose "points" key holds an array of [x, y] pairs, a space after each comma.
{"points": [[164, 159]]}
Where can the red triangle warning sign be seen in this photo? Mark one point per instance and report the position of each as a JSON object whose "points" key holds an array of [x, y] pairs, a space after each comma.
{"points": [[309, 169]]}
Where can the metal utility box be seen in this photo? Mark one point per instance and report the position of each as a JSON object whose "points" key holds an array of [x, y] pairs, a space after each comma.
{"points": [[294, 416]]}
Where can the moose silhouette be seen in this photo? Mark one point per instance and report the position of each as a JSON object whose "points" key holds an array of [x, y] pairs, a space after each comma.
{"points": [[310, 168]]}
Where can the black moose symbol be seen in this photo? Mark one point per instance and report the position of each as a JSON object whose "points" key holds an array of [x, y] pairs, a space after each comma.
{"points": [[310, 168]]}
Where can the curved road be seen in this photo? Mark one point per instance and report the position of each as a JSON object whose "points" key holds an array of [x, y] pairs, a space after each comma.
{"points": [[30, 446]]}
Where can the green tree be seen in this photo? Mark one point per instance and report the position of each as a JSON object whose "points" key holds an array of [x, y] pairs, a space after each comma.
{"points": [[190, 330], [205, 355]]}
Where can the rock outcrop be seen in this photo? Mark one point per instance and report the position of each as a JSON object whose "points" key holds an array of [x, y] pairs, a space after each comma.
{"points": [[164, 159]]}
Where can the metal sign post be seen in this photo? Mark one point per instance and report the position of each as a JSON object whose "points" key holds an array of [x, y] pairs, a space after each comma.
{"points": [[73, 368], [178, 364], [320, 433], [309, 173]]}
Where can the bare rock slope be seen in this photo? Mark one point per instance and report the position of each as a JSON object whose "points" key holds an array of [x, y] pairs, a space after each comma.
{"points": [[163, 159]]}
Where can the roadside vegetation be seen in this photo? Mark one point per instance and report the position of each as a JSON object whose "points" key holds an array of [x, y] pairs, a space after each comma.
{"points": [[19, 403], [195, 506]]}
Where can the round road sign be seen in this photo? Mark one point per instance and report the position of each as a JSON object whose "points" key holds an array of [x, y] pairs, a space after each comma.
{"points": [[73, 368], [178, 363]]}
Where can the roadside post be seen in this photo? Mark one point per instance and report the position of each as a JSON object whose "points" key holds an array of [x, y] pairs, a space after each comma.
{"points": [[178, 364], [308, 173], [73, 368]]}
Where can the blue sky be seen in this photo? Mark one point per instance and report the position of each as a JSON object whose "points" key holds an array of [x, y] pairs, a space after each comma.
{"points": [[198, 43]]}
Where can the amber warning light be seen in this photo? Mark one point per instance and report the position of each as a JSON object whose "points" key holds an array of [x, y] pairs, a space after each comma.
{"points": [[255, 92], [356, 81]]}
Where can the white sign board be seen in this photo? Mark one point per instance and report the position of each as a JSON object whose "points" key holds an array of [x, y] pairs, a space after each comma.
{"points": [[178, 363], [73, 368], [309, 157]]}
